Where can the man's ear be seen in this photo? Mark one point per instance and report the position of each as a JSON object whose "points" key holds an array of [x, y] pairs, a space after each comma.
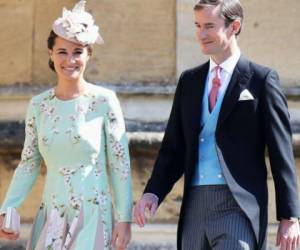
{"points": [[236, 26]]}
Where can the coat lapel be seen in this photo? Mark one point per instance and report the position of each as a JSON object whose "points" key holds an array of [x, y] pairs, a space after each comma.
{"points": [[239, 81], [193, 105], [196, 97]]}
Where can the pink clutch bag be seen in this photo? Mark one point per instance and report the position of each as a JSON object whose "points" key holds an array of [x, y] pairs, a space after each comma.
{"points": [[11, 223]]}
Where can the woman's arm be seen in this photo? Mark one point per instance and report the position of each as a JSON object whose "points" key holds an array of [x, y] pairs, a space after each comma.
{"points": [[119, 169], [28, 169]]}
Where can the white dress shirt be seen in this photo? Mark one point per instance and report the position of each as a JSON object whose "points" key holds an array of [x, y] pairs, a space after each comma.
{"points": [[227, 69]]}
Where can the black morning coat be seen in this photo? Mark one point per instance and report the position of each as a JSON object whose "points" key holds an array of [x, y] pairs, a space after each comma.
{"points": [[245, 129]]}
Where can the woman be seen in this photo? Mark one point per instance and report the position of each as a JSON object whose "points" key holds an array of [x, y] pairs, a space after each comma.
{"points": [[77, 129]]}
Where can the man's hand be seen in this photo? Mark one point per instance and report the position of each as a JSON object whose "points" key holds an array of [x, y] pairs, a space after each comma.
{"points": [[149, 201], [121, 235], [7, 236], [288, 235]]}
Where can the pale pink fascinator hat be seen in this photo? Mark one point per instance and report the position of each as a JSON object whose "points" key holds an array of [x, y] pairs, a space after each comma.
{"points": [[77, 26]]}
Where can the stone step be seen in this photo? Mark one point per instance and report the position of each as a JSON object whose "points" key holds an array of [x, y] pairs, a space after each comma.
{"points": [[151, 237], [146, 107], [12, 137]]}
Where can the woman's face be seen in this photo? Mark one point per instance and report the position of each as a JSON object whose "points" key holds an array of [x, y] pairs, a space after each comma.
{"points": [[69, 59]]}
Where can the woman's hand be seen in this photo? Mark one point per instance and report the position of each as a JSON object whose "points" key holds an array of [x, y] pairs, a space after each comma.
{"points": [[121, 235], [4, 235]]}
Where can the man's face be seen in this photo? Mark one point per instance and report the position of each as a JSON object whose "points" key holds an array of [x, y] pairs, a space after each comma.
{"points": [[214, 38]]}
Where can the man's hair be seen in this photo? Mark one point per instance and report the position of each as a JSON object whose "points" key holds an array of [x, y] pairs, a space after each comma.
{"points": [[230, 10]]}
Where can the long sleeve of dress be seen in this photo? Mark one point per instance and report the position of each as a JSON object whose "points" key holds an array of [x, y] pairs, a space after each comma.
{"points": [[118, 160], [28, 169]]}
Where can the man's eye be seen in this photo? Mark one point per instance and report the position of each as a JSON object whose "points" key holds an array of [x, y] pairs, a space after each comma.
{"points": [[78, 52], [62, 52]]}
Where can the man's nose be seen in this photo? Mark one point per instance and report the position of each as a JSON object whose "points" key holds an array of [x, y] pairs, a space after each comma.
{"points": [[202, 34]]}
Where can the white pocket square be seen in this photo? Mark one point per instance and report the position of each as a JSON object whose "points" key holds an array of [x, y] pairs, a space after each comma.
{"points": [[246, 95]]}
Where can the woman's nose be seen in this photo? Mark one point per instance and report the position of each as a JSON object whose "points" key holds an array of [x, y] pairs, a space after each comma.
{"points": [[71, 59]]}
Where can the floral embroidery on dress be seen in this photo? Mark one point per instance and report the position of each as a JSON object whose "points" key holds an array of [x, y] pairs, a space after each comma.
{"points": [[117, 147], [81, 181], [55, 231], [99, 198], [67, 170], [98, 173], [47, 109], [56, 205], [30, 127], [42, 206], [28, 152], [75, 200], [74, 138], [81, 109], [30, 147], [73, 230], [119, 153], [92, 106], [112, 120], [95, 101], [106, 238], [27, 167], [45, 141], [54, 128], [121, 166], [97, 166], [124, 171]]}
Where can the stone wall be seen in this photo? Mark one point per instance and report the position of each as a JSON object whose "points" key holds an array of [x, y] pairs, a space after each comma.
{"points": [[270, 36], [139, 40], [145, 42], [16, 37]]}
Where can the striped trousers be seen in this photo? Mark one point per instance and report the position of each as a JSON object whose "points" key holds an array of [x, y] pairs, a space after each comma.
{"points": [[214, 221]]}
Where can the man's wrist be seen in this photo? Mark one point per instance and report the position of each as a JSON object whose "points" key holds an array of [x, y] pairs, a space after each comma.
{"points": [[151, 196]]}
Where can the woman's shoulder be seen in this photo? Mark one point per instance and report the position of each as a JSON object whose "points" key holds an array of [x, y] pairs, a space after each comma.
{"points": [[44, 96], [101, 92], [39, 101]]}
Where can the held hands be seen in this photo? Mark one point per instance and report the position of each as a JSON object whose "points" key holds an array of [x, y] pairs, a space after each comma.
{"points": [[288, 235], [121, 235], [4, 235], [149, 201]]}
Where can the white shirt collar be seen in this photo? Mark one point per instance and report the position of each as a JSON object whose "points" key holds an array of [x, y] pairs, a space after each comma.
{"points": [[228, 65]]}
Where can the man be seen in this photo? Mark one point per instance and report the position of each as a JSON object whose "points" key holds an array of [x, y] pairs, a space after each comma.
{"points": [[225, 113]]}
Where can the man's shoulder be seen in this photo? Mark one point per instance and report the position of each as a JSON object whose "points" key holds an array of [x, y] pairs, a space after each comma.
{"points": [[195, 70], [260, 74], [258, 69]]}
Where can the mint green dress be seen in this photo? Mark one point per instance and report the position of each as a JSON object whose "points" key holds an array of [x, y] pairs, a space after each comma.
{"points": [[83, 144]]}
